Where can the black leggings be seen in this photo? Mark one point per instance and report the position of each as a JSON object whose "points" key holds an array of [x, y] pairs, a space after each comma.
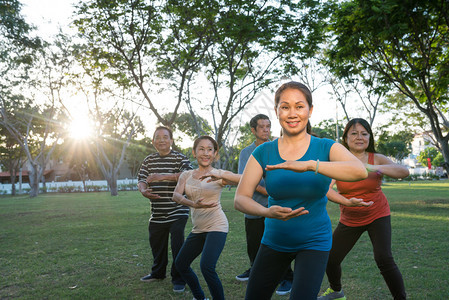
{"points": [[379, 231], [270, 265]]}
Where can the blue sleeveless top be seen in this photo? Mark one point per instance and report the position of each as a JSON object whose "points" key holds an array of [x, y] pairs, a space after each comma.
{"points": [[290, 189]]}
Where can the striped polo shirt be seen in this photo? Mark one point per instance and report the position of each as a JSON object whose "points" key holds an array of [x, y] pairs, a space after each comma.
{"points": [[164, 209]]}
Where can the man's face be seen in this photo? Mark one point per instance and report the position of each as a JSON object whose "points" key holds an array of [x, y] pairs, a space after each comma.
{"points": [[263, 130], [162, 141]]}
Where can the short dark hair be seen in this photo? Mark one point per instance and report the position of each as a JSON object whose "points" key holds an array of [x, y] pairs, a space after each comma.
{"points": [[256, 118], [296, 86], [365, 124], [170, 132]]}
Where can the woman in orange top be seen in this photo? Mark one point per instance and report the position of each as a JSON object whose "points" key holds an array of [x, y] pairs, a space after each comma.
{"points": [[358, 138]]}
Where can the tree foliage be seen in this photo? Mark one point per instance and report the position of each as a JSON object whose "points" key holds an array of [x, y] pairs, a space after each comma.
{"points": [[115, 129], [16, 45], [136, 152], [12, 155], [405, 44], [395, 145], [135, 46], [433, 154], [328, 129], [226, 53], [36, 129]]}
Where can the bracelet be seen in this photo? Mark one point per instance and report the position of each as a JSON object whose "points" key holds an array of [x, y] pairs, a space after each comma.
{"points": [[317, 165]]}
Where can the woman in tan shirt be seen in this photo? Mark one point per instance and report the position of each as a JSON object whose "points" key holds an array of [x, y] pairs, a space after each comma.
{"points": [[210, 225]]}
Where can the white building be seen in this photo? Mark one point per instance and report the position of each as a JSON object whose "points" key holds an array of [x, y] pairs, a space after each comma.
{"points": [[420, 142]]}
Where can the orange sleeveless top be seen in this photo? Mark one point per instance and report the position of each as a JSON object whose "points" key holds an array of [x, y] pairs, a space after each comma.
{"points": [[368, 189]]}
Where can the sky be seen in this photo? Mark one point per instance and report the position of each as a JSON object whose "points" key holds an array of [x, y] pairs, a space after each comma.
{"points": [[49, 15]]}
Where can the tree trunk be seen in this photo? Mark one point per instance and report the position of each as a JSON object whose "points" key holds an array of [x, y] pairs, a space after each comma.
{"points": [[445, 152], [12, 177], [113, 184], [34, 180]]}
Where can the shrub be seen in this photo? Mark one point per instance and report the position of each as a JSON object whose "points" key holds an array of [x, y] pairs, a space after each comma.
{"points": [[67, 189], [127, 187], [94, 188]]}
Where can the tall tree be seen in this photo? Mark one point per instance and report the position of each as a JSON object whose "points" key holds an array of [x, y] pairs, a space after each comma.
{"points": [[138, 44], [220, 57], [12, 155], [405, 44], [253, 45], [363, 88], [17, 47], [17, 53], [40, 135], [115, 129]]}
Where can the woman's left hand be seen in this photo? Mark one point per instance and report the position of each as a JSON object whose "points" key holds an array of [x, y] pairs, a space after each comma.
{"points": [[359, 202], [285, 213], [371, 168], [213, 175], [296, 166]]}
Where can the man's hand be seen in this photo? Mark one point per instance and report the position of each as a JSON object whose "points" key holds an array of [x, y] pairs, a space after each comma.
{"points": [[155, 177], [147, 193]]}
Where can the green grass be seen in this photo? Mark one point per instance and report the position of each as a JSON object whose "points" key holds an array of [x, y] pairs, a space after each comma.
{"points": [[94, 246]]}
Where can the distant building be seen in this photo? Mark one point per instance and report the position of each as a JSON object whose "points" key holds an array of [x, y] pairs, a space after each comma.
{"points": [[420, 142]]}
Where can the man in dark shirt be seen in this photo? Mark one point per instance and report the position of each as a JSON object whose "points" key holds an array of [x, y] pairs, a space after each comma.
{"points": [[157, 180]]}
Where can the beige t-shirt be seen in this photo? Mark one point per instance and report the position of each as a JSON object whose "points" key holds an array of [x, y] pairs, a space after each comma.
{"points": [[206, 219]]}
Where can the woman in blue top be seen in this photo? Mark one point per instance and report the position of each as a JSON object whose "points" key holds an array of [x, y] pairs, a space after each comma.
{"points": [[297, 169]]}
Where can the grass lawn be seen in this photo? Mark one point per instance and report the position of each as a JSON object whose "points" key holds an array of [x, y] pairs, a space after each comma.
{"points": [[94, 246]]}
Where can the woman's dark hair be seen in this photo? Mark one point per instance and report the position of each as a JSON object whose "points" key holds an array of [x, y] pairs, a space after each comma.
{"points": [[205, 137], [367, 127], [297, 86]]}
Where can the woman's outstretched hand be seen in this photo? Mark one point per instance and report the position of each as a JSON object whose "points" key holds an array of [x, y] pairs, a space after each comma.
{"points": [[296, 166], [285, 213], [213, 175]]}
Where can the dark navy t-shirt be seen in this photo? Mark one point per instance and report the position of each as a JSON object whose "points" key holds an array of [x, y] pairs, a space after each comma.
{"points": [[290, 189]]}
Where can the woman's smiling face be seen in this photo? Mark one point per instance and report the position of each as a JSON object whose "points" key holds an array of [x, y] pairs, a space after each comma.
{"points": [[205, 153], [293, 111], [357, 138]]}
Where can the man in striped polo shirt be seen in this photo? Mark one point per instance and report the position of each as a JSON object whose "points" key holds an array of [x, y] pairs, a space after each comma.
{"points": [[157, 180]]}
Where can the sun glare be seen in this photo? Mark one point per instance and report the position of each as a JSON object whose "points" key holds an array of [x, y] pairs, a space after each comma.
{"points": [[80, 129]]}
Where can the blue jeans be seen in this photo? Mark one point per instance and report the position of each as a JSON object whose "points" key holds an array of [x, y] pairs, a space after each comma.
{"points": [[270, 265], [211, 244]]}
